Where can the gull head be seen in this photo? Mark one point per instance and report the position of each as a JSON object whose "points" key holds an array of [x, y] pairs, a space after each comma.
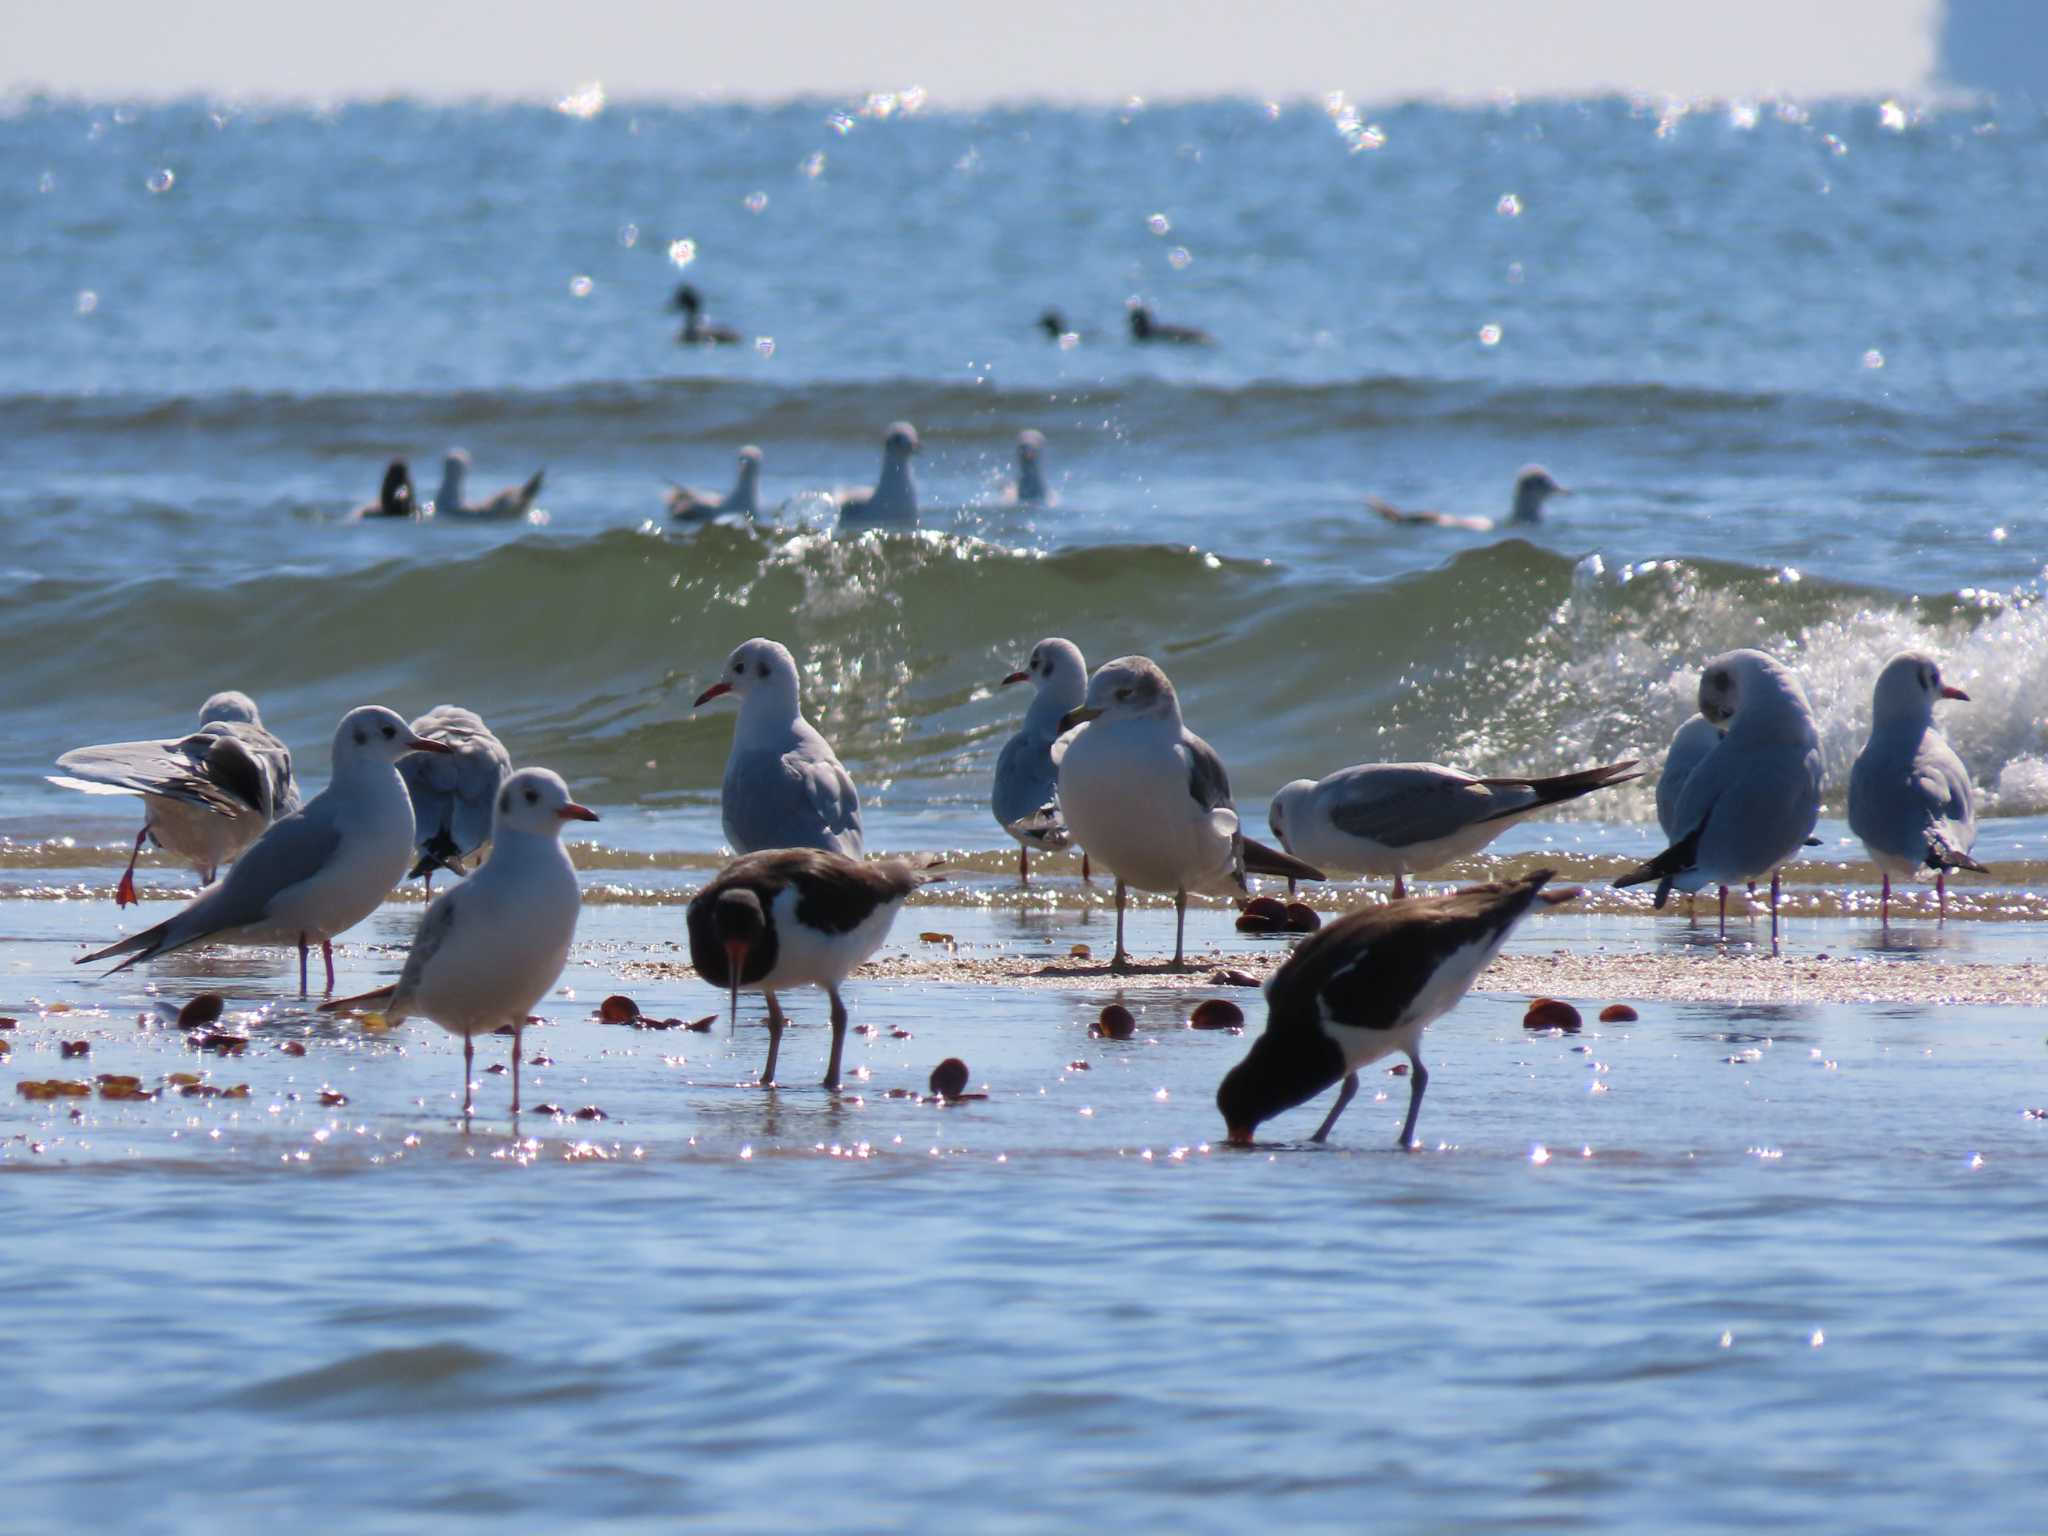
{"points": [[374, 734], [394, 496], [536, 800], [1141, 320], [1030, 445], [900, 442], [1131, 688], [750, 460], [229, 708], [1287, 804], [1750, 685], [1056, 664], [1908, 687], [687, 299], [757, 667], [1053, 323], [1533, 487]]}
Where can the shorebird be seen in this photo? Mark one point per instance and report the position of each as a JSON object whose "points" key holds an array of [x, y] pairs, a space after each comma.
{"points": [[1025, 797], [1910, 797], [1533, 487], [315, 873], [744, 499], [453, 791], [796, 917], [784, 787], [1150, 798], [1752, 801], [1405, 819], [205, 797], [512, 501], [698, 331], [894, 498], [1365, 987], [1145, 329], [394, 498], [488, 950]]}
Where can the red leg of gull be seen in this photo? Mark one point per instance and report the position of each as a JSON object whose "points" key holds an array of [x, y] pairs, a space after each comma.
{"points": [[302, 965], [1085, 875], [327, 954], [1724, 911], [1023, 864], [1941, 891], [518, 1038], [124, 893], [1400, 887], [468, 1075], [1774, 912], [1884, 907]]}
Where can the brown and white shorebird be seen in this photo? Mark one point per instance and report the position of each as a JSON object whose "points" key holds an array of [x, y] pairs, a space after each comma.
{"points": [[796, 917], [1365, 987]]}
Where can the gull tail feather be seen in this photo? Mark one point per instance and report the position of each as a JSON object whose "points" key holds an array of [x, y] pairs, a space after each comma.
{"points": [[1563, 786], [361, 1000], [1944, 855], [1666, 867]]}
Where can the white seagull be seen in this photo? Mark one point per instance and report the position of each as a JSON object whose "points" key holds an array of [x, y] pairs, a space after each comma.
{"points": [[1149, 799], [315, 873], [1754, 798], [1910, 797], [1404, 819], [686, 505], [796, 917], [784, 787], [453, 792], [1533, 487], [205, 797], [512, 501], [488, 950], [894, 498], [1365, 987], [1025, 797]]}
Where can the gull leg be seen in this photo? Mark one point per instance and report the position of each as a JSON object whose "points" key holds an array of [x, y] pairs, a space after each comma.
{"points": [[518, 1039], [1085, 875], [775, 1022], [1180, 923], [327, 954], [302, 966], [1774, 911], [468, 1076], [1121, 961], [1941, 891], [1290, 887], [1418, 1079], [124, 893], [1400, 886], [1023, 864], [1884, 909], [1343, 1097], [1724, 911], [838, 1038]]}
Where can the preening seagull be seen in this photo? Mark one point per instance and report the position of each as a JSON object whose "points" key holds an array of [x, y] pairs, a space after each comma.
{"points": [[453, 792]]}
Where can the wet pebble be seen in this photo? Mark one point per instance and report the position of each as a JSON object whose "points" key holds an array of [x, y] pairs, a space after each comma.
{"points": [[618, 1009], [949, 1078], [1234, 978], [1262, 914], [72, 1049], [1618, 1013], [1302, 918], [1549, 1013], [1216, 1013], [203, 1011], [293, 1047], [1116, 1023]]}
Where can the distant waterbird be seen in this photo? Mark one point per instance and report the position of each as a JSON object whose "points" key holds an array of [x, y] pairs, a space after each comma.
{"points": [[1533, 487], [510, 502], [394, 498], [743, 500], [894, 497], [1147, 330], [697, 329]]}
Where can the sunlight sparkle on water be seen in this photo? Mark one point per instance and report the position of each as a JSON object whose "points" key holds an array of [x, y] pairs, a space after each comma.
{"points": [[682, 252], [586, 101]]}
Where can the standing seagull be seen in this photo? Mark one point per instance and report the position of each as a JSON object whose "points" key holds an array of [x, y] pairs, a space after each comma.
{"points": [[784, 787], [1149, 798], [205, 797], [796, 917], [1402, 819], [698, 331], [744, 499], [1754, 798], [1533, 487], [1910, 797], [1365, 987], [894, 498], [1026, 795], [315, 873], [489, 949], [453, 791], [512, 501]]}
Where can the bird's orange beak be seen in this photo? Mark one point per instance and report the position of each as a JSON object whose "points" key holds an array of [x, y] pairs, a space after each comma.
{"points": [[735, 961], [575, 812], [421, 744], [711, 693], [1017, 677], [1950, 692]]}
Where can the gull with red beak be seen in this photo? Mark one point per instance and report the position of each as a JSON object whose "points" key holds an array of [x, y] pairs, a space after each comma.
{"points": [[317, 872], [1910, 797], [489, 949], [796, 917], [784, 786], [1026, 794]]}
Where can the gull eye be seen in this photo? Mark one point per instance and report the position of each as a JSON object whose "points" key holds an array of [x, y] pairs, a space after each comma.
{"points": [[1123, 693], [361, 739], [739, 668], [389, 732], [532, 798], [761, 670]]}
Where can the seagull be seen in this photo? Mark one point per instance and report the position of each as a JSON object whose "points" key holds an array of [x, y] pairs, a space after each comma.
{"points": [[692, 506], [1533, 487], [315, 873], [1030, 489], [697, 331], [894, 498], [784, 787], [794, 917], [205, 797], [395, 498], [1693, 741], [1149, 798], [1910, 797], [453, 791], [1145, 329], [1026, 795], [512, 501], [1056, 329], [1753, 800], [1408, 818], [488, 950], [1363, 988]]}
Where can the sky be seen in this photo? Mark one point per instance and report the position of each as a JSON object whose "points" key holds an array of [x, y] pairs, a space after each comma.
{"points": [[967, 51]]}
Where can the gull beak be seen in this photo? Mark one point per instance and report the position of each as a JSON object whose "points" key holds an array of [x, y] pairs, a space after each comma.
{"points": [[421, 744], [735, 961], [1950, 692], [575, 812], [1240, 1136], [1559, 490], [1017, 677], [1081, 716], [716, 690]]}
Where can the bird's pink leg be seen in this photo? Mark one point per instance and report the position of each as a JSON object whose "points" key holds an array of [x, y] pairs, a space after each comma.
{"points": [[327, 954], [1023, 864], [1774, 912], [1085, 875], [518, 1036], [302, 966], [1884, 908], [468, 1075], [1724, 911], [1941, 891], [124, 893], [1400, 886]]}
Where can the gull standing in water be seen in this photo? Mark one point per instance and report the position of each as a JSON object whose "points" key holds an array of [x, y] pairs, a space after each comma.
{"points": [[512, 501], [315, 873], [1533, 487], [205, 797], [489, 949], [698, 331], [744, 499], [1753, 800], [1026, 795], [894, 498], [1910, 797], [784, 787], [395, 497], [1030, 489], [1150, 799], [453, 792]]}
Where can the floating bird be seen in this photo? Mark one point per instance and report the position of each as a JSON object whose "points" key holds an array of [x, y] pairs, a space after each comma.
{"points": [[1910, 797], [205, 797], [1145, 329], [1150, 799], [453, 791], [1030, 489], [1405, 819], [1752, 801], [395, 498], [796, 917], [894, 498], [1055, 326], [315, 873], [697, 331], [1533, 487], [1363, 988], [512, 501], [488, 950], [784, 787], [1026, 794], [744, 499]]}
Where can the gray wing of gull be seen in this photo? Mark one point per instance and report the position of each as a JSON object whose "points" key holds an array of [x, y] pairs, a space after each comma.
{"points": [[1689, 747], [1399, 804], [427, 940], [186, 769], [1208, 783], [1900, 794], [293, 850], [1759, 803], [1026, 785], [797, 798], [454, 794]]}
